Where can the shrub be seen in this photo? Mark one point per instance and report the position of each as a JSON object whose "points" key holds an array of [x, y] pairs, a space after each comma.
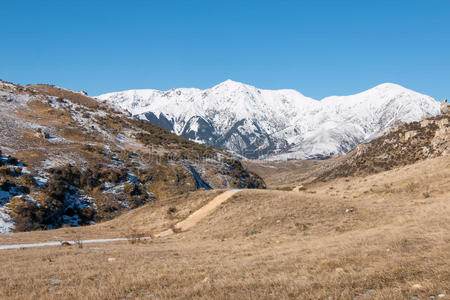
{"points": [[411, 187], [128, 188], [27, 215], [27, 179], [7, 171], [134, 236], [12, 161]]}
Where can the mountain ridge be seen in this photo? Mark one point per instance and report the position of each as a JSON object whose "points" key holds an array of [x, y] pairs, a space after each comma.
{"points": [[276, 124]]}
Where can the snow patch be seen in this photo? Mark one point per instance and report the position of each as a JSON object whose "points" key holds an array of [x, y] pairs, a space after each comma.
{"points": [[6, 222]]}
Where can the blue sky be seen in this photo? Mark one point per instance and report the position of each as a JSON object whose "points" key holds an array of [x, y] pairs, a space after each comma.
{"points": [[319, 48]]}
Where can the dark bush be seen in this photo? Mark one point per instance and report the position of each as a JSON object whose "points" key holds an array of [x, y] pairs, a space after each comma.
{"points": [[7, 171], [12, 161], [131, 189], [27, 215], [27, 179]]}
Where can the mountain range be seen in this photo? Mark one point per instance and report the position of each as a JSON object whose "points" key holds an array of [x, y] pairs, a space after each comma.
{"points": [[275, 124]]}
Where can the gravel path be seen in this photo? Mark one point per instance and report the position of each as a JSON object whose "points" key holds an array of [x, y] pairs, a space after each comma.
{"points": [[184, 225]]}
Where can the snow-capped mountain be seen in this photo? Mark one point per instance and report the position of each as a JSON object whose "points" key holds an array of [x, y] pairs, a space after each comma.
{"points": [[279, 124]]}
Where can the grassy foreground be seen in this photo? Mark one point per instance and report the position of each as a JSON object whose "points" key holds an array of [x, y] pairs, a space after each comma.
{"points": [[384, 236]]}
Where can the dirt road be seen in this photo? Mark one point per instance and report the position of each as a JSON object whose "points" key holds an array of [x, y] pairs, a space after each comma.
{"points": [[184, 225]]}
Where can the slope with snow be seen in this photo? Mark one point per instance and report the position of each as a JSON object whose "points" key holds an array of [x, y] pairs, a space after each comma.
{"points": [[66, 159], [279, 124]]}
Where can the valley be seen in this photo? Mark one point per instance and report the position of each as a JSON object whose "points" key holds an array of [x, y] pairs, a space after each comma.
{"points": [[371, 224], [225, 150]]}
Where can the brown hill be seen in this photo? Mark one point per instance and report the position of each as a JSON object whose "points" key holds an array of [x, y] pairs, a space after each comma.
{"points": [[403, 145], [71, 160]]}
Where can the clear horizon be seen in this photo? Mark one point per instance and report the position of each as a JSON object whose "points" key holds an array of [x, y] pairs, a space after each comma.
{"points": [[319, 48]]}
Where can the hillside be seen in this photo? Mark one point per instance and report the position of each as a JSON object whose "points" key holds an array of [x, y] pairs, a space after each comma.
{"points": [[403, 145], [67, 159], [276, 124]]}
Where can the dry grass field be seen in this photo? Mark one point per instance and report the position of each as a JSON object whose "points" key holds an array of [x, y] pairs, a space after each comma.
{"points": [[151, 218], [383, 236], [284, 174]]}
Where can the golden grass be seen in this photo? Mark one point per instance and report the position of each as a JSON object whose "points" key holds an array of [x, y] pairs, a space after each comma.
{"points": [[153, 217], [352, 238], [284, 175], [62, 93]]}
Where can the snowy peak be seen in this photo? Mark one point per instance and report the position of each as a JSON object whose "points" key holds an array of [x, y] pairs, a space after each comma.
{"points": [[379, 92], [276, 123], [388, 87], [230, 85]]}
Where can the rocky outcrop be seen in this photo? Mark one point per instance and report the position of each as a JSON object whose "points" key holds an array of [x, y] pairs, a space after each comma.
{"points": [[445, 107]]}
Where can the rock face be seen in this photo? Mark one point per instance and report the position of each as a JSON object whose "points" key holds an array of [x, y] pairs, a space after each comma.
{"points": [[276, 124], [403, 145], [445, 107]]}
